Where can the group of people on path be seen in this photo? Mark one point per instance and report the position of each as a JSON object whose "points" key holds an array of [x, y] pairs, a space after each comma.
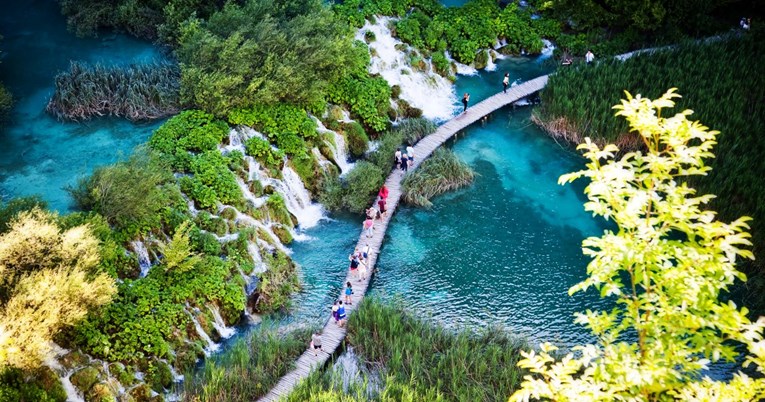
{"points": [[404, 161]]}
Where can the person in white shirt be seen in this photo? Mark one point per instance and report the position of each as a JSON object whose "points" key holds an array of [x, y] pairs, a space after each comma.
{"points": [[589, 57], [505, 82], [410, 152]]}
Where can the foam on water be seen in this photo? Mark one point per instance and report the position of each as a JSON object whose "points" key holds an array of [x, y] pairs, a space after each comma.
{"points": [[428, 91]]}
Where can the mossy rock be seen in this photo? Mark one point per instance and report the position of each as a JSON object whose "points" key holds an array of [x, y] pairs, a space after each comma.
{"points": [[369, 36], [49, 381], [282, 233], [395, 91], [74, 359], [85, 378], [141, 393], [256, 188], [125, 375], [228, 213], [357, 138], [481, 60], [159, 376], [334, 125], [401, 47], [100, 392], [335, 113]]}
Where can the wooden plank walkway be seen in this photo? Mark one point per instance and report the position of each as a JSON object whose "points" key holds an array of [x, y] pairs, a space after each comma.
{"points": [[332, 335]]}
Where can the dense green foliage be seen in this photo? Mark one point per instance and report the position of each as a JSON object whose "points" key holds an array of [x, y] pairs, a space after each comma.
{"points": [[212, 180], [286, 126], [264, 153], [15, 385], [263, 52], [136, 92], [421, 361], [148, 19], [248, 369], [8, 210], [132, 195], [358, 142], [277, 284], [190, 131], [577, 103], [441, 172]]}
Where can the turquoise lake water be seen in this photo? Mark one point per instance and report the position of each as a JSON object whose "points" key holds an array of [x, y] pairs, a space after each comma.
{"points": [[40, 155]]}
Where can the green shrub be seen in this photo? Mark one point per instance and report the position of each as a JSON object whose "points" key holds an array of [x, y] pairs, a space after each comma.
{"points": [[277, 210], [362, 183], [212, 181], [308, 168], [42, 385], [412, 130], [441, 64], [332, 193], [358, 142], [383, 156], [190, 131], [262, 151], [276, 285]]}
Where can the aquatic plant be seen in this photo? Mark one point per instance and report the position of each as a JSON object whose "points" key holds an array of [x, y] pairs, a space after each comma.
{"points": [[136, 92], [421, 361], [248, 369], [441, 172], [667, 267]]}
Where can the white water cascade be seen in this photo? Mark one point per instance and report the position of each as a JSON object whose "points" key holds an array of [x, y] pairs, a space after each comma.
{"points": [[297, 198], [490, 65], [63, 374], [220, 325], [248, 220], [338, 147], [144, 262], [428, 91], [547, 50], [211, 347]]}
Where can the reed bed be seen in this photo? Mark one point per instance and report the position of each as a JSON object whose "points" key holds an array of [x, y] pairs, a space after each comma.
{"points": [[248, 369], [136, 92], [722, 81], [418, 361], [442, 172]]}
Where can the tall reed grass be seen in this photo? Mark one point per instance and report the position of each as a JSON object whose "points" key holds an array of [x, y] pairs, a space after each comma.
{"points": [[248, 369], [442, 172], [722, 81], [136, 92], [419, 361]]}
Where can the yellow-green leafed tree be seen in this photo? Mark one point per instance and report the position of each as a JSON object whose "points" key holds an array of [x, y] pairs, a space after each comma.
{"points": [[47, 281], [669, 323]]}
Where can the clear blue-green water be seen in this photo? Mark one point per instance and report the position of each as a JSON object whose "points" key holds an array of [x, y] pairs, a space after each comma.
{"points": [[38, 154]]}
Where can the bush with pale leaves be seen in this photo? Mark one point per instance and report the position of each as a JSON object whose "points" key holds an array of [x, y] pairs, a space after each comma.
{"points": [[47, 281], [669, 323]]}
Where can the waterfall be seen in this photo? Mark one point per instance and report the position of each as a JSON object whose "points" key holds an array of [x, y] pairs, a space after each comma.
{"points": [[143, 256], [240, 217], [257, 260], [547, 50], [63, 375], [256, 202], [235, 142], [220, 325], [490, 65], [428, 91], [297, 198], [462, 69], [71, 393], [338, 147], [211, 347]]}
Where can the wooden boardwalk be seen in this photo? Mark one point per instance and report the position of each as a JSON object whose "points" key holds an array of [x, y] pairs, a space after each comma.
{"points": [[332, 335]]}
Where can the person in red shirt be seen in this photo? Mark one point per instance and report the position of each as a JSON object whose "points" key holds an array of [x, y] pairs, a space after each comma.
{"points": [[383, 192]]}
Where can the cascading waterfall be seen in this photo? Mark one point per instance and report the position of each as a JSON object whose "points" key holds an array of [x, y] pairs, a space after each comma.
{"points": [[338, 147], [211, 347], [462, 69], [297, 198], [490, 65], [256, 202], [223, 330], [63, 374], [547, 50], [250, 221], [428, 91], [144, 262]]}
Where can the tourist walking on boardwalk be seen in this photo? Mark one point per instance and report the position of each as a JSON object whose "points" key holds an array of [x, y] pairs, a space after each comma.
{"points": [[341, 316], [410, 153], [589, 57], [404, 162], [365, 252], [383, 193], [335, 307], [371, 212], [369, 226], [465, 100], [348, 293], [381, 205], [398, 158], [505, 82], [316, 343], [354, 266]]}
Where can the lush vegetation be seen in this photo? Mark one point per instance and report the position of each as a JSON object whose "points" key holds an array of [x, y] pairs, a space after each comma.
{"points": [[286, 126], [49, 281], [442, 172], [576, 103], [248, 369], [263, 52], [666, 266], [419, 361], [136, 92]]}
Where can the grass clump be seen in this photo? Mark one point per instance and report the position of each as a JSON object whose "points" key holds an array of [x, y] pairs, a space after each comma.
{"points": [[248, 369], [440, 173], [420, 361], [136, 92]]}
